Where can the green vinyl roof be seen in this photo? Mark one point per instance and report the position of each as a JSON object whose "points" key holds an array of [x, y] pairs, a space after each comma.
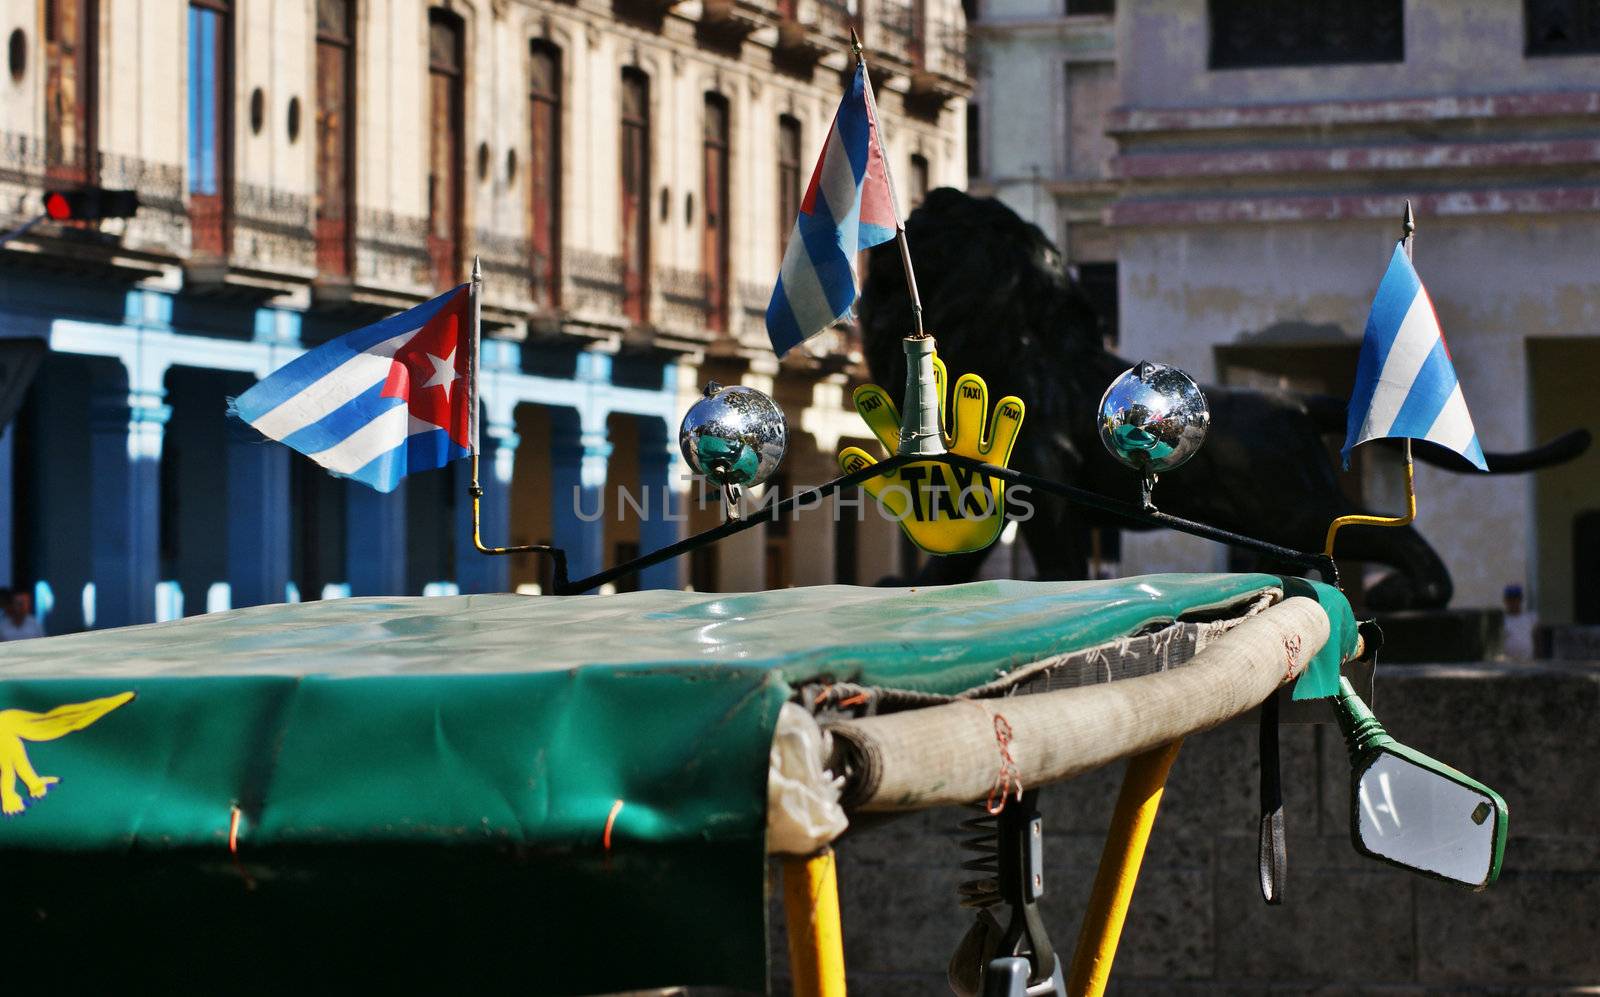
{"points": [[600, 756]]}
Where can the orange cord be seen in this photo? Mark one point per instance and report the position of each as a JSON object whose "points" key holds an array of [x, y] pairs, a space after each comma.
{"points": [[611, 820], [233, 831]]}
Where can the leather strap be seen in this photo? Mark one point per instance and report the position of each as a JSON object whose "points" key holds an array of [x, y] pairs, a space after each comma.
{"points": [[1272, 855]]}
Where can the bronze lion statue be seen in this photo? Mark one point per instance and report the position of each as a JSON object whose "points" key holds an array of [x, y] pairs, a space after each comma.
{"points": [[1001, 304]]}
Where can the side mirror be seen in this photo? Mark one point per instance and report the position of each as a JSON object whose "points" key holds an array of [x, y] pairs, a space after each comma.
{"points": [[1416, 812]]}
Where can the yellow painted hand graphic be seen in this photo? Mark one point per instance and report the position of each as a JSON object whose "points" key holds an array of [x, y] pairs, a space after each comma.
{"points": [[943, 509]]}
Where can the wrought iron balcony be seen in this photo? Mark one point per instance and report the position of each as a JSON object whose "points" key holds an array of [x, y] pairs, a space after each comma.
{"points": [[265, 230], [392, 252], [943, 73], [808, 29], [508, 269], [895, 33], [747, 319], [735, 20], [29, 165], [685, 304], [592, 285]]}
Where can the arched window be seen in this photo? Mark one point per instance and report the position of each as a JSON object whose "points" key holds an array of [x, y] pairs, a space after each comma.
{"points": [[70, 80], [788, 179], [336, 175], [714, 244], [210, 124], [919, 178], [445, 144], [635, 193], [544, 171]]}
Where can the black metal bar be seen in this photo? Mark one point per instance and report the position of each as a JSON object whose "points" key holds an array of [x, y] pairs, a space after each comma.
{"points": [[1320, 563], [761, 515]]}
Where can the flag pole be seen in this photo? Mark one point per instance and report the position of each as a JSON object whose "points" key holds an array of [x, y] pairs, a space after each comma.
{"points": [[921, 432], [1408, 228], [894, 197], [557, 555]]}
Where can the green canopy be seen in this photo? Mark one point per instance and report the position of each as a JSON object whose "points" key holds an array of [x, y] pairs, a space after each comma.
{"points": [[572, 786]]}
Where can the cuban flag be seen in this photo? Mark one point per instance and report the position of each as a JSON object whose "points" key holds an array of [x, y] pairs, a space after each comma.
{"points": [[848, 207], [1406, 386], [377, 403]]}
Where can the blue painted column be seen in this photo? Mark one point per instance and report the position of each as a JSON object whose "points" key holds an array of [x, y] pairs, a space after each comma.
{"points": [[258, 490], [258, 521], [126, 429], [7, 513], [476, 572], [375, 540], [579, 453], [664, 524]]}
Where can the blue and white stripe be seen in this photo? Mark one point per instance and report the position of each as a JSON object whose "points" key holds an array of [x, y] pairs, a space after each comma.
{"points": [[816, 283], [328, 404], [1406, 386]]}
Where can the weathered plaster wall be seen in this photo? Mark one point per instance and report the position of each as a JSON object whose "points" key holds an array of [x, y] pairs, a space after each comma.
{"points": [[1451, 47], [1494, 282]]}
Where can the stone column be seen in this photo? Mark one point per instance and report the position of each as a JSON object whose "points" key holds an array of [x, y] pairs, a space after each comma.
{"points": [[258, 521], [667, 515], [579, 452], [126, 429], [375, 540], [8, 436], [476, 572]]}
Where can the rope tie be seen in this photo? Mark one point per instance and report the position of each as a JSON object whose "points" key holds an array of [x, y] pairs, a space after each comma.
{"points": [[1009, 776]]}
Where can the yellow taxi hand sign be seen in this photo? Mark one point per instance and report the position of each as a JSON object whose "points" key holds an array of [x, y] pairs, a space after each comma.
{"points": [[943, 509]]}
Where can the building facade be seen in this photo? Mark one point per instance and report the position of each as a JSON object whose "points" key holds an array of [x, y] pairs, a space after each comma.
{"points": [[1257, 158], [624, 170]]}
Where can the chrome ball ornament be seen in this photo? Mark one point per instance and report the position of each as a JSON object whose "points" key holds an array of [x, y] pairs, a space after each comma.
{"points": [[1153, 418], [734, 436]]}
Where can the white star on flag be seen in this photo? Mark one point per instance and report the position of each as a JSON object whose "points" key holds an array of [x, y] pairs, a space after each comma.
{"points": [[444, 372]]}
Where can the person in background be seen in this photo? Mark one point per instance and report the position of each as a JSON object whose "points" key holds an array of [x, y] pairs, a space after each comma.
{"points": [[18, 621], [1518, 630]]}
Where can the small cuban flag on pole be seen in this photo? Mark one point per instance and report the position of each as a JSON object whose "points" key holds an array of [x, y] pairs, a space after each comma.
{"points": [[1406, 386], [378, 403], [848, 207]]}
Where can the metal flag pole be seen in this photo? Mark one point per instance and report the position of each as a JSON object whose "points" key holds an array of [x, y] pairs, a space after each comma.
{"points": [[894, 194], [920, 431], [1408, 228], [557, 555]]}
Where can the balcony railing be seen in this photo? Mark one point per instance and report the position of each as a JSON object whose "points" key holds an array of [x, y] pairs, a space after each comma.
{"points": [[749, 318], [270, 230], [897, 31], [813, 27], [592, 283], [685, 302], [947, 56], [392, 252], [29, 165]]}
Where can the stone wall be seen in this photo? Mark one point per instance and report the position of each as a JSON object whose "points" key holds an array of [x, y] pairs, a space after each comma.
{"points": [[1349, 925]]}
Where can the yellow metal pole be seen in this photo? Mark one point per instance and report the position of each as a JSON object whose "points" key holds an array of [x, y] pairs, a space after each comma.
{"points": [[1411, 509], [1135, 815], [811, 910], [1408, 228]]}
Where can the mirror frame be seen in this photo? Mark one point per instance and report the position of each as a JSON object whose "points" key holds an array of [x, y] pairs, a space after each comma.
{"points": [[1383, 744]]}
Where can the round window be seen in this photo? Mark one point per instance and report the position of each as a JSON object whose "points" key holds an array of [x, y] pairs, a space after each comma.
{"points": [[17, 50]]}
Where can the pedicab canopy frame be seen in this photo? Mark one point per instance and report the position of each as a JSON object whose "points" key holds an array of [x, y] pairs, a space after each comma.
{"points": [[522, 782]]}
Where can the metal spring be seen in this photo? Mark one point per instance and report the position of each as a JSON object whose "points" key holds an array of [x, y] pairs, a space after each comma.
{"points": [[981, 835]]}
